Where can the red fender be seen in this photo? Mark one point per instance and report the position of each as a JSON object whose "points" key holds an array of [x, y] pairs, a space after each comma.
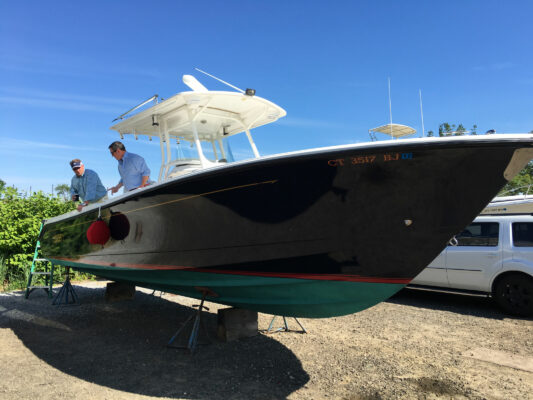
{"points": [[98, 232]]}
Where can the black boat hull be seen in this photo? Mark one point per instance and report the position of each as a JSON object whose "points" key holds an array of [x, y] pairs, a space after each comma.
{"points": [[371, 217]]}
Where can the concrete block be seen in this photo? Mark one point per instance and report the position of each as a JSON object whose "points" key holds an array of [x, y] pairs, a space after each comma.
{"points": [[236, 323], [118, 291]]}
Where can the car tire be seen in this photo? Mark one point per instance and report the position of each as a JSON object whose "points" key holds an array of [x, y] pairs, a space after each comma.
{"points": [[514, 294]]}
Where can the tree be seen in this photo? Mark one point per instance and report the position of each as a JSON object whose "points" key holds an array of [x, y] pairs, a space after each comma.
{"points": [[445, 129], [2, 185], [460, 131], [430, 134], [521, 182], [63, 190]]}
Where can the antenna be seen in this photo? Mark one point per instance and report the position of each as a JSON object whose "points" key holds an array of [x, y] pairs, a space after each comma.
{"points": [[390, 111], [220, 80], [421, 112]]}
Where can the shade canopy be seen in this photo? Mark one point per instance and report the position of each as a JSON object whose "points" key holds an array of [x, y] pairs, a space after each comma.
{"points": [[214, 114], [394, 130]]}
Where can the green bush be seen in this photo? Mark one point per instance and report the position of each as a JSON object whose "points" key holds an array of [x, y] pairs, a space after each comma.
{"points": [[20, 219]]}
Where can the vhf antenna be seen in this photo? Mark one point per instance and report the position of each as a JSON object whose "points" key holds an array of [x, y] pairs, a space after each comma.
{"points": [[247, 92], [220, 80], [390, 112], [421, 112]]}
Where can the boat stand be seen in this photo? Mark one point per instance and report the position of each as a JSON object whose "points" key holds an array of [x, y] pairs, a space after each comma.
{"points": [[66, 290], [196, 320], [40, 268], [285, 326]]}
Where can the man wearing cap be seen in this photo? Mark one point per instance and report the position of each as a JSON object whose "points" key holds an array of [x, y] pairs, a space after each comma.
{"points": [[134, 173], [86, 184]]}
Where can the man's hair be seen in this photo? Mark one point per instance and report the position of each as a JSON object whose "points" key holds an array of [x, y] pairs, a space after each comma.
{"points": [[117, 146], [76, 160]]}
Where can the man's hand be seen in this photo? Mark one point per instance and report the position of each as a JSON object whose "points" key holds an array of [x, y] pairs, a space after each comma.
{"points": [[81, 205], [114, 189]]}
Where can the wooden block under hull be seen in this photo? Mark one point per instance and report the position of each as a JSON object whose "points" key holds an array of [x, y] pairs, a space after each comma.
{"points": [[118, 291], [236, 323]]}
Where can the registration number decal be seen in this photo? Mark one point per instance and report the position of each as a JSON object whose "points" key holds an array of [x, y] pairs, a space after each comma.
{"points": [[358, 160]]}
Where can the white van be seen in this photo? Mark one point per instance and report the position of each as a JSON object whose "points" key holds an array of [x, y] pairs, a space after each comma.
{"points": [[493, 256]]}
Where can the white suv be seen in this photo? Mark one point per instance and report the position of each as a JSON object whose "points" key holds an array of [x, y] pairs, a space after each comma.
{"points": [[493, 256]]}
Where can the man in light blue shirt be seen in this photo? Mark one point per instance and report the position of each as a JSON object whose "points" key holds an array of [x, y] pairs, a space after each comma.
{"points": [[134, 173], [86, 184]]}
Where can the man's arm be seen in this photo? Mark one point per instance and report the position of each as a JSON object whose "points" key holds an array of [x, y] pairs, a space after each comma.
{"points": [[145, 181], [90, 189], [115, 189], [73, 190], [143, 170]]}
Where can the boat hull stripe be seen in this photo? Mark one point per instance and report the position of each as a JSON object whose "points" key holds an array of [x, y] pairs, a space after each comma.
{"points": [[326, 277]]}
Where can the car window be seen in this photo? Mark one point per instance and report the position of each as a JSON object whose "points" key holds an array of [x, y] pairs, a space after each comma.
{"points": [[479, 234], [523, 234]]}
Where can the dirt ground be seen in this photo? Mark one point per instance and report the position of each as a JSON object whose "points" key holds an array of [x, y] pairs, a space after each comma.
{"points": [[416, 346]]}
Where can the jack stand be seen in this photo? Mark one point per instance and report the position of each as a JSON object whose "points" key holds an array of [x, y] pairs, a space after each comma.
{"points": [[62, 295], [285, 327], [196, 320]]}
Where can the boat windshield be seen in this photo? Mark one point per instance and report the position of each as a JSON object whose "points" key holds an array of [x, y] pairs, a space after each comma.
{"points": [[184, 150]]}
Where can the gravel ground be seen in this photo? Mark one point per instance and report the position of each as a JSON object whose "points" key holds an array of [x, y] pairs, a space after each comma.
{"points": [[416, 345]]}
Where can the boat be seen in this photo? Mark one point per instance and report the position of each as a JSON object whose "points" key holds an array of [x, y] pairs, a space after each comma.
{"points": [[313, 233], [510, 203], [518, 204]]}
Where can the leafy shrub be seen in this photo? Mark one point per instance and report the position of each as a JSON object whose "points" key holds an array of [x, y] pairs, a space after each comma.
{"points": [[20, 219]]}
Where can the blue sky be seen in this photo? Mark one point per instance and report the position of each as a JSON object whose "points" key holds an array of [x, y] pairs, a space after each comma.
{"points": [[68, 68]]}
